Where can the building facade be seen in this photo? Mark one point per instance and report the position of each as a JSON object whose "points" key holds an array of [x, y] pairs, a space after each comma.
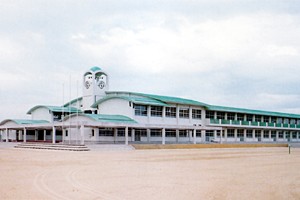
{"points": [[104, 116]]}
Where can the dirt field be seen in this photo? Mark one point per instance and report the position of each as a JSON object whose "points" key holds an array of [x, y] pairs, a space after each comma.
{"points": [[247, 173]]}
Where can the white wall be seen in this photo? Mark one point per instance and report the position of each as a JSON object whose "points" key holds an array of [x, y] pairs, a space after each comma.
{"points": [[116, 107], [41, 114]]}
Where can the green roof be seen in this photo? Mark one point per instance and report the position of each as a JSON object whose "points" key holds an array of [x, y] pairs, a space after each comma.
{"points": [[250, 111], [164, 100], [106, 118], [95, 68], [72, 101], [56, 109], [24, 121], [136, 100]]}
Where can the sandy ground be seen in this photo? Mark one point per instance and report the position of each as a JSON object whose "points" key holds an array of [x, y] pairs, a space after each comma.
{"points": [[253, 173]]}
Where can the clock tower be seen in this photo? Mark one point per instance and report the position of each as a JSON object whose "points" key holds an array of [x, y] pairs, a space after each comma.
{"points": [[95, 84]]}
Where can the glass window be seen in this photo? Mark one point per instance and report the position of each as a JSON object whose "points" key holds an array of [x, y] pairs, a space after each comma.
{"points": [[198, 133], [196, 114], [171, 112], [220, 115], [257, 133], [279, 120], [292, 121], [273, 119], [230, 133], [156, 111], [209, 133], [273, 134], [156, 133], [249, 118], [286, 120], [240, 133], [184, 112], [240, 117], [141, 132], [230, 116], [266, 134], [249, 134], [280, 134], [257, 118], [140, 110], [266, 118], [183, 133], [170, 133], [106, 132], [209, 114]]}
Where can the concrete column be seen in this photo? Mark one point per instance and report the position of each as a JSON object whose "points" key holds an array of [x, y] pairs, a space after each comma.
{"points": [[53, 134], [235, 135], [284, 134], [115, 135], [203, 135], [270, 136], [225, 132], [126, 135], [277, 133], [245, 134], [163, 113], [148, 113], [190, 135], [148, 135], [7, 134], [35, 135], [190, 115], [177, 135], [194, 136], [24, 137], [163, 136], [177, 114], [253, 134], [45, 135], [82, 134], [133, 135], [63, 135], [262, 135], [215, 134]]}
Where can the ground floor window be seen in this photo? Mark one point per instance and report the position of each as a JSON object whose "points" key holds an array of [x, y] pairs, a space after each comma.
{"points": [[141, 132], [249, 134], [183, 133], [280, 134], [106, 132], [257, 133], [230, 133], [198, 133], [266, 134], [273, 134], [287, 134], [294, 135], [156, 133], [240, 133], [170, 133], [209, 133]]}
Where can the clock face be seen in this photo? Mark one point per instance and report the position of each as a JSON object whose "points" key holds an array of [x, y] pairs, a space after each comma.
{"points": [[101, 84]]}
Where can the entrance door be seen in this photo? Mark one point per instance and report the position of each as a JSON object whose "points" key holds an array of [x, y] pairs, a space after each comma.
{"points": [[40, 135], [137, 136]]}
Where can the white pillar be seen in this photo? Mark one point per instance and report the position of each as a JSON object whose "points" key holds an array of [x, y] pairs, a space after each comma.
{"points": [[215, 134], [194, 136], [35, 135], [45, 135], [277, 133], [133, 135], [24, 138], [53, 134], [235, 135], [225, 135], [148, 135], [163, 136], [82, 134], [115, 134], [126, 135], [203, 135], [177, 135], [7, 134], [245, 135]]}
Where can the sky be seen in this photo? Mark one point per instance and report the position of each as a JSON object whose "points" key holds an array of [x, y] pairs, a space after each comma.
{"points": [[242, 53]]}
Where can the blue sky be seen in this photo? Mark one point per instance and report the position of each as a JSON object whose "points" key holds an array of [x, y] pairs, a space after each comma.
{"points": [[223, 52]]}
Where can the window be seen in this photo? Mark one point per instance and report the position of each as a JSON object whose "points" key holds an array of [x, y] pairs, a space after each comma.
{"points": [[209, 114], [209, 133], [273, 134], [184, 112], [273, 119], [196, 114], [170, 133], [156, 133], [198, 133], [230, 116], [249, 134], [183, 133], [171, 112], [66, 133], [141, 132], [156, 111], [240, 117], [279, 120], [249, 118], [140, 110], [257, 133], [286, 120], [240, 133], [280, 134], [257, 118], [266, 119], [220, 115], [266, 134], [230, 133], [106, 132], [292, 121], [93, 132]]}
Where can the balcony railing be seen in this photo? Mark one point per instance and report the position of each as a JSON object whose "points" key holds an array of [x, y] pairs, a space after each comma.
{"points": [[252, 123]]}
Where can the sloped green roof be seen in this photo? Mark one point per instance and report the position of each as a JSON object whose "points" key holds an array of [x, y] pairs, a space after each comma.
{"points": [[136, 100], [163, 99], [24, 121], [95, 68], [106, 118], [56, 109], [72, 101], [250, 111]]}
